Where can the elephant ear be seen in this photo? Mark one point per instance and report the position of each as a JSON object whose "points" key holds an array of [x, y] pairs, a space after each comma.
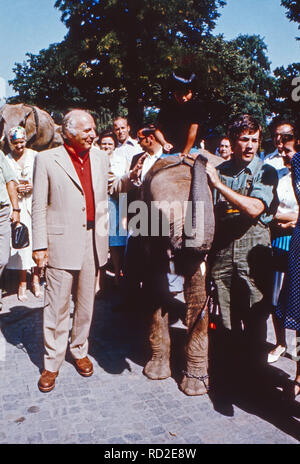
{"points": [[2, 135], [29, 122], [3, 113]]}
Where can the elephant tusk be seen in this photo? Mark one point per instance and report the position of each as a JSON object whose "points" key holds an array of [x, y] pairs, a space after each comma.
{"points": [[203, 268]]}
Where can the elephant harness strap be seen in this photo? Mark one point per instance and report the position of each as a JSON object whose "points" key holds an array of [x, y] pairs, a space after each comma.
{"points": [[180, 160]]}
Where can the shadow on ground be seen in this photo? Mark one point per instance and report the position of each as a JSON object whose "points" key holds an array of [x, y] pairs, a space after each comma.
{"points": [[22, 328], [251, 384]]}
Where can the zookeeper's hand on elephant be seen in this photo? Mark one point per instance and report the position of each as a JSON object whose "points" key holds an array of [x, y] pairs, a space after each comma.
{"points": [[213, 175]]}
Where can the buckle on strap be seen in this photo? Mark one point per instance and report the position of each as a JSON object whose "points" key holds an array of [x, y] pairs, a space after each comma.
{"points": [[232, 211]]}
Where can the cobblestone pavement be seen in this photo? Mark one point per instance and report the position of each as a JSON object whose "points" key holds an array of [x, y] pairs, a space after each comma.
{"points": [[118, 404]]}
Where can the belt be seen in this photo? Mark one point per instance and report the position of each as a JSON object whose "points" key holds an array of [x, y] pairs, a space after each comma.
{"points": [[3, 206], [90, 225]]}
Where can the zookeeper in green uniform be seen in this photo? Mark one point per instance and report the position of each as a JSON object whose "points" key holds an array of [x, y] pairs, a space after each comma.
{"points": [[245, 199]]}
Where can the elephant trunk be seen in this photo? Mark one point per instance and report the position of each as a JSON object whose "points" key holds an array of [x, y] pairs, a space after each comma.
{"points": [[203, 222]]}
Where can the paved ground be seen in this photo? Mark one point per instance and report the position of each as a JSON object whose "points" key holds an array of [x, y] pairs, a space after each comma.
{"points": [[118, 405]]}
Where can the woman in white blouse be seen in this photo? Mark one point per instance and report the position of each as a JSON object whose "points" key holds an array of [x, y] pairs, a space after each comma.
{"points": [[21, 160], [282, 228]]}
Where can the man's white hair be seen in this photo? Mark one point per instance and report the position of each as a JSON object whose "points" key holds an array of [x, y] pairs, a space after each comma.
{"points": [[70, 120]]}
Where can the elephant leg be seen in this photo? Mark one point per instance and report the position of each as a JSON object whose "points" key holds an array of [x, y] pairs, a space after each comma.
{"points": [[159, 365], [195, 380]]}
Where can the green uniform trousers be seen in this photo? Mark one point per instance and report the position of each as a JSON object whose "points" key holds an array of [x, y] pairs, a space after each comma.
{"points": [[241, 271]]}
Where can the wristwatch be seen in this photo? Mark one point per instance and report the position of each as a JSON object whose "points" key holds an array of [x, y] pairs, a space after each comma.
{"points": [[17, 210]]}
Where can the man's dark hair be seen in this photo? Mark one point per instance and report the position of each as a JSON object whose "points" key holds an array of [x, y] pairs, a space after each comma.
{"points": [[224, 137], [244, 122], [147, 130], [278, 121], [108, 133], [181, 81]]}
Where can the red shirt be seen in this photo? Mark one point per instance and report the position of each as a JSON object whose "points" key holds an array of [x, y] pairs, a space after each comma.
{"points": [[83, 168]]}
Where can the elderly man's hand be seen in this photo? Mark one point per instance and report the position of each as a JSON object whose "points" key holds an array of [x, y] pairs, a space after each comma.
{"points": [[135, 173], [40, 257]]}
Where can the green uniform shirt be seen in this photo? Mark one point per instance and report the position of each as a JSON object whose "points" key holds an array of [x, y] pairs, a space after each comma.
{"points": [[6, 175], [256, 180]]}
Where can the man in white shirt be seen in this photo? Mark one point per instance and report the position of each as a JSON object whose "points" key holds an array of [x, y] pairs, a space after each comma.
{"points": [[141, 163], [150, 151], [127, 146]]}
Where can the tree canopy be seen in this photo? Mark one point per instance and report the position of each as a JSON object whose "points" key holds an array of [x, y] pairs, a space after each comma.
{"points": [[117, 58], [293, 13]]}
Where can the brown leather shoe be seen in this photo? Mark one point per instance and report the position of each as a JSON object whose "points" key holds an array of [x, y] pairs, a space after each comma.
{"points": [[47, 381], [84, 366]]}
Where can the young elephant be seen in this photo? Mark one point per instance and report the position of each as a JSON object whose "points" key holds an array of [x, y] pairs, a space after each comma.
{"points": [[170, 182]]}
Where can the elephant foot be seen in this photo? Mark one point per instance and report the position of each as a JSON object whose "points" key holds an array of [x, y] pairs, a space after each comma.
{"points": [[157, 369], [194, 385]]}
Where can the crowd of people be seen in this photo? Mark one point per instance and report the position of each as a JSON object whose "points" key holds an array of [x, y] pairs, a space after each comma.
{"points": [[61, 195]]}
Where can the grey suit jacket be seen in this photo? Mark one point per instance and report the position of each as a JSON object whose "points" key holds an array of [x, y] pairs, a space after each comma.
{"points": [[59, 208]]}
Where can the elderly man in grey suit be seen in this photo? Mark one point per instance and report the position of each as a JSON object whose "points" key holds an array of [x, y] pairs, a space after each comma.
{"points": [[69, 221]]}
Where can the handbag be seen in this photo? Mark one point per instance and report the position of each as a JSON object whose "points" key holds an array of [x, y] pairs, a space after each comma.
{"points": [[19, 235]]}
